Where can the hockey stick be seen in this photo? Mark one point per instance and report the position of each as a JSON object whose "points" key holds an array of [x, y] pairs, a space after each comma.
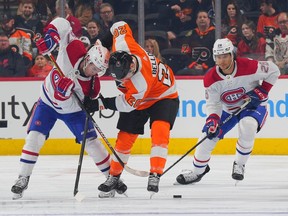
{"points": [[204, 138], [79, 197], [127, 168]]}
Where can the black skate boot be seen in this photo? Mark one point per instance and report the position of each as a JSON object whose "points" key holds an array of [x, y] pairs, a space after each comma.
{"points": [[191, 177], [110, 183], [121, 187], [153, 183], [20, 186], [238, 171], [115, 183]]}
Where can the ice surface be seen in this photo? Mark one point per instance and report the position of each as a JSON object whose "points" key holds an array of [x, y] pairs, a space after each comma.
{"points": [[264, 190]]}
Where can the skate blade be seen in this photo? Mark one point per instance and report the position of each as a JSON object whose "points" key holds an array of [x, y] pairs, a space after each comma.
{"points": [[17, 196], [236, 182], [109, 194], [125, 194], [152, 194]]}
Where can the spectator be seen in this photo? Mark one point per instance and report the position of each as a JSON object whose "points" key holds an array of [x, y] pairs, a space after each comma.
{"points": [[92, 32], [106, 17], [152, 47], [267, 21], [74, 22], [96, 13], [41, 67], [27, 21], [184, 18], [18, 38], [11, 63], [251, 45], [232, 22], [199, 44], [276, 45], [43, 11], [85, 40], [83, 12]]}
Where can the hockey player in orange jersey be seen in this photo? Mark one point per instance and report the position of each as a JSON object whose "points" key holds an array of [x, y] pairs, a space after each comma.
{"points": [[149, 92]]}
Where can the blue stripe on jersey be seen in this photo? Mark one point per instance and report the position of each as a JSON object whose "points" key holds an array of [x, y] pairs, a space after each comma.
{"points": [[199, 166], [106, 169], [27, 161], [242, 153]]}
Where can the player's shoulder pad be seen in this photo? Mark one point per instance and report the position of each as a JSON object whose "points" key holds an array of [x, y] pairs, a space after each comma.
{"points": [[211, 77], [246, 66]]}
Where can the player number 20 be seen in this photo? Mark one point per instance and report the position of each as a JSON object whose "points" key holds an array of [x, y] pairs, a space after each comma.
{"points": [[164, 75]]}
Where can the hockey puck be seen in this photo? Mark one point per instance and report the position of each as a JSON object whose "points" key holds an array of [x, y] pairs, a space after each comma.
{"points": [[177, 196]]}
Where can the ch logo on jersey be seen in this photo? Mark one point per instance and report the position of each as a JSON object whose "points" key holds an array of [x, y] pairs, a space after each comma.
{"points": [[232, 96], [55, 77]]}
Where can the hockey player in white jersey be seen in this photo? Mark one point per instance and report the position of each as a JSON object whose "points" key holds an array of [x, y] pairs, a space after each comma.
{"points": [[227, 87], [81, 69]]}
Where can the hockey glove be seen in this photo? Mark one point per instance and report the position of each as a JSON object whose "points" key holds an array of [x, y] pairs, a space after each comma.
{"points": [[47, 44], [64, 88], [257, 96], [211, 127], [94, 105]]}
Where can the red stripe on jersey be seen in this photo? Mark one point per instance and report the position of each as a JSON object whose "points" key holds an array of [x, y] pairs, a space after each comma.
{"points": [[103, 161], [199, 161], [30, 153], [245, 67], [266, 86], [88, 89]]}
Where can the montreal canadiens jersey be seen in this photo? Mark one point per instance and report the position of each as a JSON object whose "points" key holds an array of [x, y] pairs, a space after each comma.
{"points": [[153, 80], [71, 53], [226, 92]]}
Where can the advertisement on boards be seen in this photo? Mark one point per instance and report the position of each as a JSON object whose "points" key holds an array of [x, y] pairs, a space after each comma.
{"points": [[18, 97]]}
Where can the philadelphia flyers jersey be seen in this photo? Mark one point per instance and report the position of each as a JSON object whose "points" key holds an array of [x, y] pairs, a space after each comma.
{"points": [[199, 45], [153, 81], [267, 24], [226, 92]]}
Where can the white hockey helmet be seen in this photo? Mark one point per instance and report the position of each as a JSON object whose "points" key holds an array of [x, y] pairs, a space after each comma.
{"points": [[99, 56], [222, 46]]}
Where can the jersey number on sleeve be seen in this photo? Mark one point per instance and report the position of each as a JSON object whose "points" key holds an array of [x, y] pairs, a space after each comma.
{"points": [[164, 75]]}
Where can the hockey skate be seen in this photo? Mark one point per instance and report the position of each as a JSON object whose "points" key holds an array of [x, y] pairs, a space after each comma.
{"points": [[120, 189], [238, 172], [112, 184], [191, 177], [109, 194], [153, 183], [19, 187]]}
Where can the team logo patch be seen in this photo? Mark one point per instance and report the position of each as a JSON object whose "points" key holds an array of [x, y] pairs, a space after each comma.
{"points": [[38, 123], [233, 96], [55, 77]]}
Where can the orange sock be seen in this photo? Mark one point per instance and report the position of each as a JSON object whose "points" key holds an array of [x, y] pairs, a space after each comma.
{"points": [[123, 147], [160, 133]]}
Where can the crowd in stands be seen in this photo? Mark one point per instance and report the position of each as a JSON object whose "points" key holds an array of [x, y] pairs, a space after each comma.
{"points": [[179, 32]]}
